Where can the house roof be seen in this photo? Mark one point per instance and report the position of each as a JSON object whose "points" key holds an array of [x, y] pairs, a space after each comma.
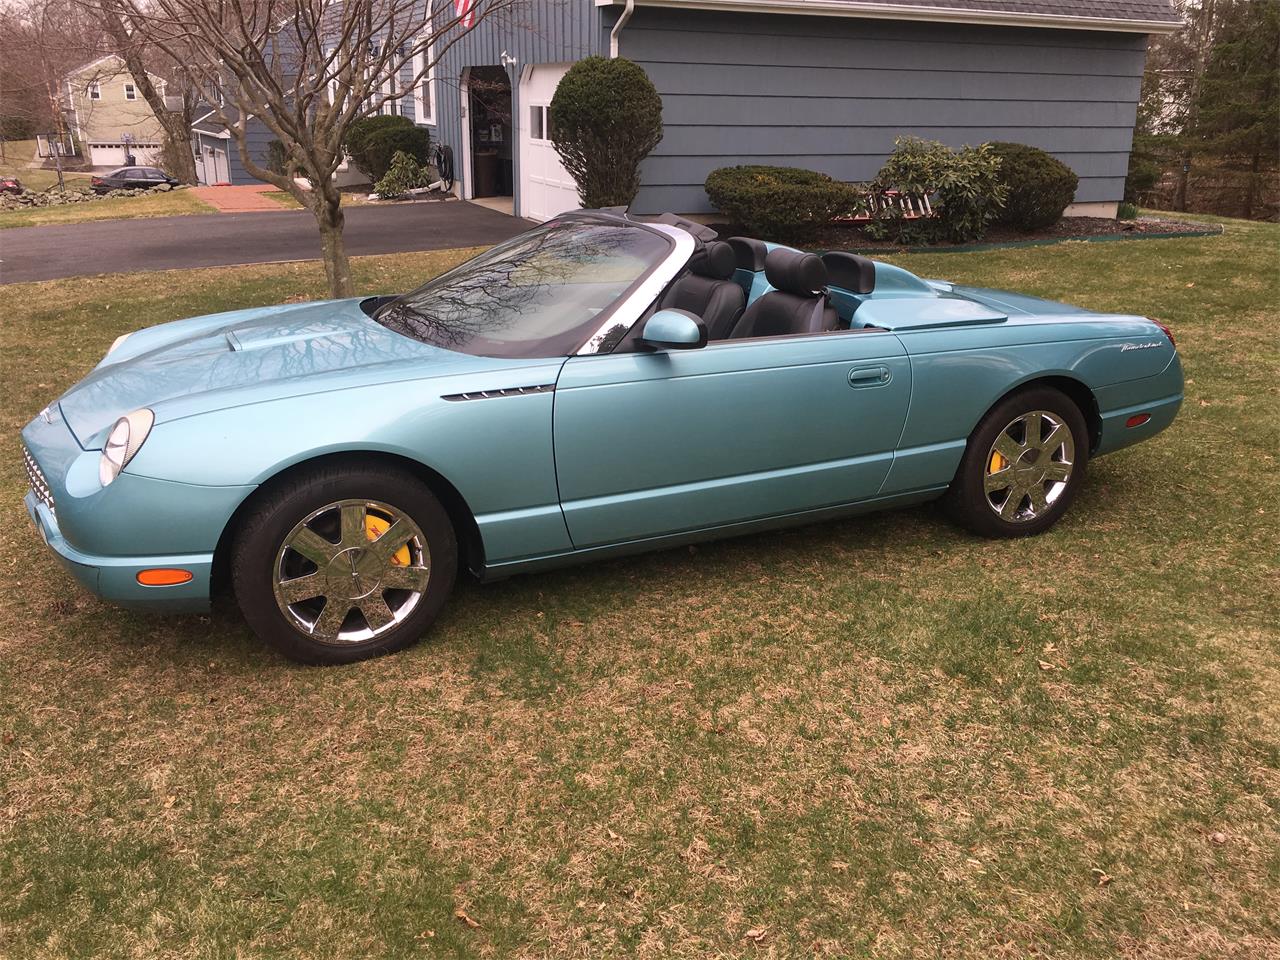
{"points": [[84, 68], [1135, 16]]}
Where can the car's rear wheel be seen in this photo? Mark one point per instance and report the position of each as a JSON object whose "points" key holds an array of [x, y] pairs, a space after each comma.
{"points": [[344, 563], [1023, 465]]}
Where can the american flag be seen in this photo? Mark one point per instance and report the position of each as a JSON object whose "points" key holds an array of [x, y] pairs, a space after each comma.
{"points": [[465, 10]]}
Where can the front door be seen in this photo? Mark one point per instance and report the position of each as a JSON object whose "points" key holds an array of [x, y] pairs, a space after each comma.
{"points": [[651, 444]]}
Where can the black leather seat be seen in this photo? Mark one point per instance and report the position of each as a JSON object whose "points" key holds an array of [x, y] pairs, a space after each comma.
{"points": [[850, 272], [708, 291], [751, 253], [797, 304]]}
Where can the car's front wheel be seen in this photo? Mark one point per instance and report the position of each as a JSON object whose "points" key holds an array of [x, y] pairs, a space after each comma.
{"points": [[342, 563], [1023, 465]]}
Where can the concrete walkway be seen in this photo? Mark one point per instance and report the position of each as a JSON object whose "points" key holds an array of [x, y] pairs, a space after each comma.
{"points": [[247, 199]]}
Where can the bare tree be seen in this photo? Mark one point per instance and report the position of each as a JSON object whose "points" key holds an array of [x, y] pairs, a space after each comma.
{"points": [[306, 70], [42, 41], [174, 108]]}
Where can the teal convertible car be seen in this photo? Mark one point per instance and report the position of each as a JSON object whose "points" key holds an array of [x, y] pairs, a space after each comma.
{"points": [[595, 386]]}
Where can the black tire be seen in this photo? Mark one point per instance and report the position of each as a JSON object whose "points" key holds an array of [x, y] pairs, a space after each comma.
{"points": [[967, 500], [258, 555]]}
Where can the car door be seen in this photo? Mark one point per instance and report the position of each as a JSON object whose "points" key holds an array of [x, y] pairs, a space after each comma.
{"points": [[657, 443]]}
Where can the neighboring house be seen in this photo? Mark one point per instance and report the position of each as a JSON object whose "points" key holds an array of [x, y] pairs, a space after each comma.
{"points": [[821, 84], [217, 155], [109, 116]]}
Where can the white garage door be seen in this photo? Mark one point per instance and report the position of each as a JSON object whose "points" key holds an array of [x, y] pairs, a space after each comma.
{"points": [[106, 154], [545, 186], [113, 154]]}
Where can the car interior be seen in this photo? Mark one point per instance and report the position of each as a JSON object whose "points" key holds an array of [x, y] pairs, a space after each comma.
{"points": [[708, 290], [742, 289]]}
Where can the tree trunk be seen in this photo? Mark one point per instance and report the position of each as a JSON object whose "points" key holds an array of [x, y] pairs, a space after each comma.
{"points": [[180, 160], [1251, 191], [327, 207], [1202, 28], [175, 124], [1184, 174]]}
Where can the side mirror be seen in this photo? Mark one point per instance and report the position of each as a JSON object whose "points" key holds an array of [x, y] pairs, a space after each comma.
{"points": [[674, 330]]}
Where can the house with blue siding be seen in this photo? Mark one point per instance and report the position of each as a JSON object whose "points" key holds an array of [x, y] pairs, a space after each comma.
{"points": [[822, 84]]}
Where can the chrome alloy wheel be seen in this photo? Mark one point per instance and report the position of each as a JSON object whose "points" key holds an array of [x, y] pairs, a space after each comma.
{"points": [[1029, 465], [351, 571]]}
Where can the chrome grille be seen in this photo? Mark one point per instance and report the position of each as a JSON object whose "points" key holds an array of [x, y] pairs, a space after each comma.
{"points": [[38, 482]]}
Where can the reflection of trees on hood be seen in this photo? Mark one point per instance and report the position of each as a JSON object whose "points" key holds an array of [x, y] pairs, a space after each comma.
{"points": [[207, 362], [496, 292]]}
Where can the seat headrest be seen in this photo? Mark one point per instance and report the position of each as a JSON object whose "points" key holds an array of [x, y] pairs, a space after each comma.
{"points": [[714, 260], [850, 272], [750, 253], [794, 272]]}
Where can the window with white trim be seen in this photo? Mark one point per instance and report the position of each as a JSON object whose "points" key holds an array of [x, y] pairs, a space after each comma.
{"points": [[333, 80], [391, 106], [540, 122], [95, 91], [424, 94], [130, 92]]}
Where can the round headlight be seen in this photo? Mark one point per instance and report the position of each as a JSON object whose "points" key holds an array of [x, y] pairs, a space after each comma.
{"points": [[123, 443]]}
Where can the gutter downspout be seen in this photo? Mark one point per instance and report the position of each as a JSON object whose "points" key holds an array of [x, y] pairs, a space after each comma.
{"points": [[616, 32]]}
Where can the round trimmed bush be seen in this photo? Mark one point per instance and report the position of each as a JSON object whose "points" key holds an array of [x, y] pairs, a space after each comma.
{"points": [[358, 136], [381, 146], [779, 202], [1040, 186], [606, 116]]}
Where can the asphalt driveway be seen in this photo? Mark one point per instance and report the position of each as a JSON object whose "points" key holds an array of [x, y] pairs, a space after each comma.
{"points": [[221, 239]]}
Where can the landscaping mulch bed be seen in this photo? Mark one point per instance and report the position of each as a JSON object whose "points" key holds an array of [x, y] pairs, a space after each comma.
{"points": [[1070, 228], [852, 236]]}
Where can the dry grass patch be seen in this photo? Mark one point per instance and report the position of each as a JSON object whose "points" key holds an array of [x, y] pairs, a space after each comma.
{"points": [[872, 738], [170, 203]]}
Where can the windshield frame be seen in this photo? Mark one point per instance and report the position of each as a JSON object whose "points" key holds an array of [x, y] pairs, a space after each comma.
{"points": [[629, 305]]}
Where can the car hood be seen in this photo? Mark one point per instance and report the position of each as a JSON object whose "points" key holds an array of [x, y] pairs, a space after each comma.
{"points": [[247, 356]]}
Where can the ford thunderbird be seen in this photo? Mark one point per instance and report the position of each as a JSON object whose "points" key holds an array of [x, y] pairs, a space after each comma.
{"points": [[598, 385]]}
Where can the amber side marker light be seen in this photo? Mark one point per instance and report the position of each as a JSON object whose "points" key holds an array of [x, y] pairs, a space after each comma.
{"points": [[163, 577], [1137, 420]]}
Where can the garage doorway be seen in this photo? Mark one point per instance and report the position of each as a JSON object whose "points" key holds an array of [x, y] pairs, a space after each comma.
{"points": [[489, 127], [546, 188], [217, 169]]}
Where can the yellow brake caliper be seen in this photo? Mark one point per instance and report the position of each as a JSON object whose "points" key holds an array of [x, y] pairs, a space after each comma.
{"points": [[374, 527], [998, 462]]}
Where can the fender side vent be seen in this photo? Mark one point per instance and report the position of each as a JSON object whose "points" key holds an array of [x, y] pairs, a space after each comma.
{"points": [[505, 392]]}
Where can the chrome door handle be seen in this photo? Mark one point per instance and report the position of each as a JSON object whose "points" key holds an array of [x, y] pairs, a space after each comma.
{"points": [[869, 376]]}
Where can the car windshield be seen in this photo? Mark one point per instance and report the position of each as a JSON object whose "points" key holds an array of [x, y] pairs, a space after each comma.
{"points": [[540, 294]]}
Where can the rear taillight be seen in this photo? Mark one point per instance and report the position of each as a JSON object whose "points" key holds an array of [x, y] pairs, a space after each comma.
{"points": [[95, 181], [1167, 332]]}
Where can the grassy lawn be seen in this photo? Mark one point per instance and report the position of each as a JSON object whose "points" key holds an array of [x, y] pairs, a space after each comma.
{"points": [[350, 198], [173, 203], [284, 199], [874, 738], [19, 152]]}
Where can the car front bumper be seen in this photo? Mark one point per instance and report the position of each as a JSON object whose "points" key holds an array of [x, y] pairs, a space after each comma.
{"points": [[116, 578], [106, 536]]}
